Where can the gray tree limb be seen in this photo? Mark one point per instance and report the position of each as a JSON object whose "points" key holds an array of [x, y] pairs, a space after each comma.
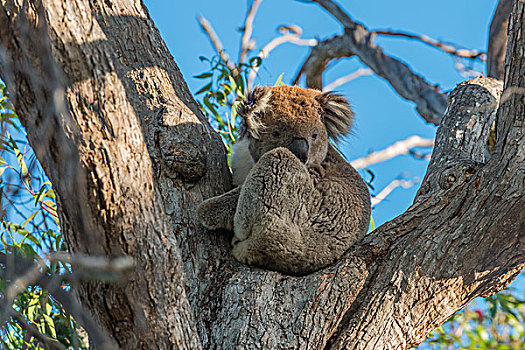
{"points": [[497, 45], [358, 41]]}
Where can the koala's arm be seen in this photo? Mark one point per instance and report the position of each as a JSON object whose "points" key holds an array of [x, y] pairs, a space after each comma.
{"points": [[345, 207], [218, 212], [297, 220]]}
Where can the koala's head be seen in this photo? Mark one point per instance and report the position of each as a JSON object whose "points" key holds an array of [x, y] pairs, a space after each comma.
{"points": [[301, 120]]}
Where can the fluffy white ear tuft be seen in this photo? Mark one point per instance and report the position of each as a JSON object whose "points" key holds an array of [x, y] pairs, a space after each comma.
{"points": [[251, 111], [338, 116], [241, 161]]}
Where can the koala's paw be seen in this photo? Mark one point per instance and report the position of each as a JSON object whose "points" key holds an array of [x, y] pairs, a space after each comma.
{"points": [[282, 158], [317, 172], [207, 215], [241, 252]]}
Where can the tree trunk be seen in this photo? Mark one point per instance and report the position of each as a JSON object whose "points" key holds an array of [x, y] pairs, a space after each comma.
{"points": [[131, 156]]}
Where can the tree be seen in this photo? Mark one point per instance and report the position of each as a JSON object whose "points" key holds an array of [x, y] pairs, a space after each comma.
{"points": [[131, 155]]}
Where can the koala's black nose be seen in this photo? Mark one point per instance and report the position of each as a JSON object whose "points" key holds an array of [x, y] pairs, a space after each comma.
{"points": [[299, 147]]}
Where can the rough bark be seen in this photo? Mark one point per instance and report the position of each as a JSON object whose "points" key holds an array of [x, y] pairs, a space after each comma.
{"points": [[146, 157]]}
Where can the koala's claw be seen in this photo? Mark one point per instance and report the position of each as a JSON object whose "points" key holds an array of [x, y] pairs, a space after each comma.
{"points": [[317, 171]]}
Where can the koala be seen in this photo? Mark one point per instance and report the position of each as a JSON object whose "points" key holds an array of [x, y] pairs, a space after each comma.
{"points": [[298, 205]]}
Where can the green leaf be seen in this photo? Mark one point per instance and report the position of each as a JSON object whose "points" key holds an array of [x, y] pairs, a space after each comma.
{"points": [[20, 158], [233, 83], [51, 204], [203, 75], [279, 81], [227, 88], [235, 107], [206, 87], [38, 196], [31, 312], [210, 106], [30, 218], [48, 308], [28, 251], [4, 242], [26, 234], [50, 194]]}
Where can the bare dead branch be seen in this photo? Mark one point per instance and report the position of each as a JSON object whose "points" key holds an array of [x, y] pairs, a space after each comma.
{"points": [[419, 155], [392, 186], [246, 40], [339, 13], [289, 34], [347, 78], [207, 28], [358, 41], [448, 48], [398, 148], [465, 71], [497, 45], [95, 267]]}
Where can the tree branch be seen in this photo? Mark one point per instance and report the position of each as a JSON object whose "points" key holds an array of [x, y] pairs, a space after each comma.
{"points": [[358, 41], [347, 78], [46, 342], [30, 273], [497, 45], [392, 186], [289, 34], [215, 41], [448, 48], [428, 249], [246, 41], [398, 148]]}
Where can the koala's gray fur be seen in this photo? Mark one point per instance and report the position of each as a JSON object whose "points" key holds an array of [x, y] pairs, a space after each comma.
{"points": [[298, 205]]}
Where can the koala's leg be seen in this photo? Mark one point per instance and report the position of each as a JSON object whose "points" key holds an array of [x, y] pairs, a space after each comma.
{"points": [[217, 212], [273, 213]]}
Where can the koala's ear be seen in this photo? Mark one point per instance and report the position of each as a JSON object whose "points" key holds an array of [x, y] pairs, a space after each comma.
{"points": [[252, 109], [338, 116]]}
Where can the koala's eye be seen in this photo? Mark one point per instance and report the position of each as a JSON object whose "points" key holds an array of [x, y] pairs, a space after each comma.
{"points": [[314, 136], [276, 134]]}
